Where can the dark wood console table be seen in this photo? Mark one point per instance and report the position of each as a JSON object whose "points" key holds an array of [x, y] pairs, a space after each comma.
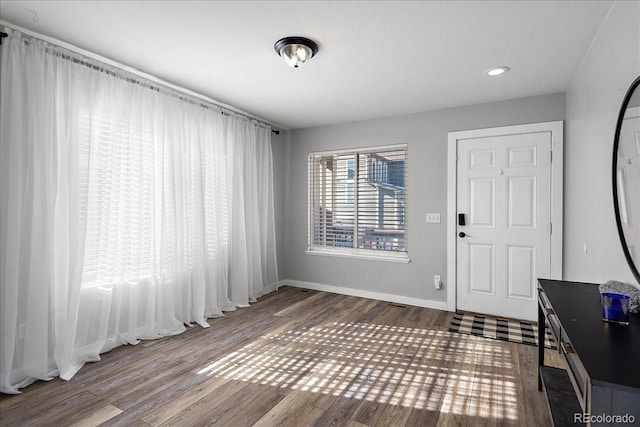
{"points": [[603, 359]]}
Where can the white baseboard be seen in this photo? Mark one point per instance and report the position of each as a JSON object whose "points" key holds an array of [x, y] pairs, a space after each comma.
{"points": [[277, 285], [398, 299]]}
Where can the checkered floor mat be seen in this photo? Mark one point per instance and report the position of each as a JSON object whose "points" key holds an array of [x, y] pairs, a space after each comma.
{"points": [[499, 329]]}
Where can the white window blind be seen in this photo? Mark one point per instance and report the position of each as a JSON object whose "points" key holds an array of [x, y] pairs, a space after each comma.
{"points": [[116, 204], [137, 223], [357, 200]]}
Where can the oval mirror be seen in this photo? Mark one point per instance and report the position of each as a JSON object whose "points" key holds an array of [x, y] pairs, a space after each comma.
{"points": [[626, 177]]}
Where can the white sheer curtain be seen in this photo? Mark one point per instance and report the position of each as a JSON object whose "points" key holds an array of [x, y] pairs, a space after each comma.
{"points": [[126, 212]]}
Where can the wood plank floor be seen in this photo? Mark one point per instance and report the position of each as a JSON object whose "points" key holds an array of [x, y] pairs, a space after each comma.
{"points": [[299, 358]]}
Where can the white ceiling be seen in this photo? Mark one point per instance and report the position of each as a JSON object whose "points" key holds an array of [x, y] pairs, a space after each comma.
{"points": [[376, 58]]}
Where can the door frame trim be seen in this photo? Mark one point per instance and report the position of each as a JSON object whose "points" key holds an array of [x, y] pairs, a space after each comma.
{"points": [[556, 128]]}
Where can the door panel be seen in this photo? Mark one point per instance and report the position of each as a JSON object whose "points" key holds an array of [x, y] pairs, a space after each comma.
{"points": [[521, 195], [482, 202], [504, 187], [522, 156], [482, 159], [521, 272], [481, 269]]}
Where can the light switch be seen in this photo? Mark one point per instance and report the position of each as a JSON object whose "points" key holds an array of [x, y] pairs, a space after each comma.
{"points": [[433, 218]]}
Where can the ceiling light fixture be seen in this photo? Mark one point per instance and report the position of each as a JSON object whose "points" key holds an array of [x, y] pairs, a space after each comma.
{"points": [[497, 71], [296, 50]]}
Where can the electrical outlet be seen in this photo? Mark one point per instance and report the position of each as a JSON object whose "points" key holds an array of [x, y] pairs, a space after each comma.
{"points": [[22, 331], [433, 218], [437, 282]]}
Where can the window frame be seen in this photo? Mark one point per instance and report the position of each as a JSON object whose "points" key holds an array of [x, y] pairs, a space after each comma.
{"points": [[354, 252]]}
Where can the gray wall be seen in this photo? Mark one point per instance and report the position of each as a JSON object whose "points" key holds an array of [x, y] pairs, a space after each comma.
{"points": [[593, 102], [426, 136], [278, 150]]}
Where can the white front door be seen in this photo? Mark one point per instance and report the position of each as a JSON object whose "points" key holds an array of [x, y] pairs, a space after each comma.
{"points": [[628, 175], [503, 222]]}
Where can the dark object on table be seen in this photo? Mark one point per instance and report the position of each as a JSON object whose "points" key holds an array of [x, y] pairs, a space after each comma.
{"points": [[615, 308], [625, 289]]}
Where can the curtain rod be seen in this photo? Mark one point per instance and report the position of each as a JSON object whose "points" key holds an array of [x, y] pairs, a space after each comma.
{"points": [[183, 93]]}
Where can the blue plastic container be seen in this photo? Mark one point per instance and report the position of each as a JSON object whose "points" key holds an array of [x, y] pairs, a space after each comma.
{"points": [[615, 308]]}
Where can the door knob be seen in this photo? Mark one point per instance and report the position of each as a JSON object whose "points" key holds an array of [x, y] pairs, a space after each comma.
{"points": [[462, 234]]}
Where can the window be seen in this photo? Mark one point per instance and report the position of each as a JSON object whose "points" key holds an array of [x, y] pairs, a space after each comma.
{"points": [[357, 202], [132, 219]]}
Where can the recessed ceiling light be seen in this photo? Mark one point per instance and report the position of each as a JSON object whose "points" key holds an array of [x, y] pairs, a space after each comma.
{"points": [[497, 71]]}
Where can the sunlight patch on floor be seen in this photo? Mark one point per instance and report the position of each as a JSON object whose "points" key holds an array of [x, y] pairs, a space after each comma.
{"points": [[410, 367]]}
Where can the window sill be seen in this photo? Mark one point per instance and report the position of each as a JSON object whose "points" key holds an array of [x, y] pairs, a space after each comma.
{"points": [[402, 258]]}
